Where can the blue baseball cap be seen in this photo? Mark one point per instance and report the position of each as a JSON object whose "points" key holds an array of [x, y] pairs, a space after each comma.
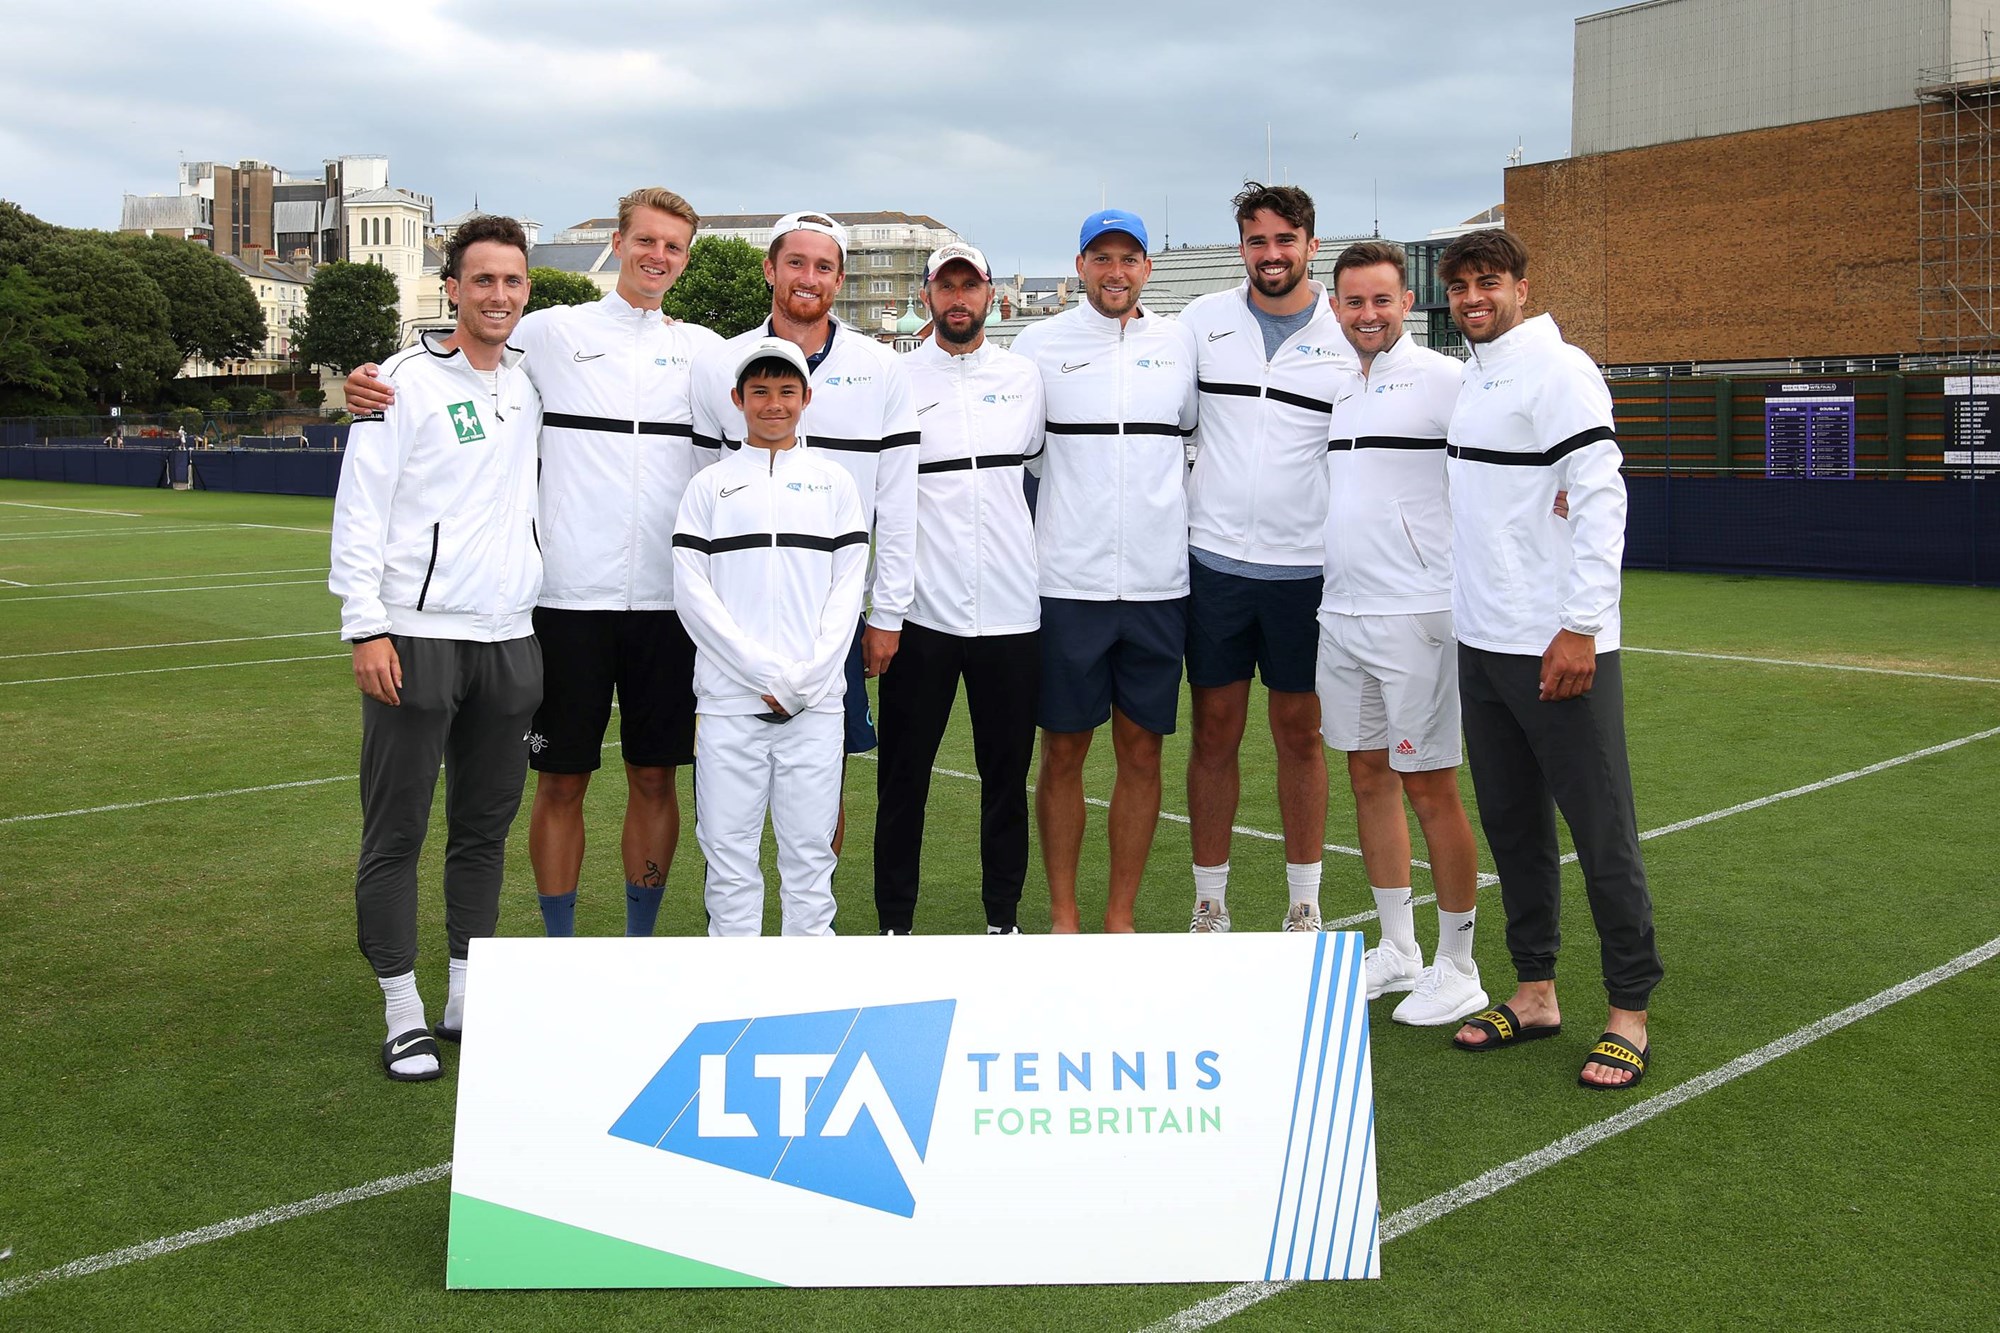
{"points": [[1112, 219]]}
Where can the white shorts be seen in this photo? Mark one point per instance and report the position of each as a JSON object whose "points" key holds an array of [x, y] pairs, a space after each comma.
{"points": [[1391, 683], [743, 766]]}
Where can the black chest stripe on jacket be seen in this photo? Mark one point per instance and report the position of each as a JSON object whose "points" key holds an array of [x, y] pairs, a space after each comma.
{"points": [[895, 441], [614, 426], [1541, 459], [967, 464], [1383, 442], [756, 541], [1113, 428], [1225, 390]]}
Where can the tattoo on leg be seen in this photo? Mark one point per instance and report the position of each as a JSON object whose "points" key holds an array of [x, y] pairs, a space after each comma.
{"points": [[654, 877]]}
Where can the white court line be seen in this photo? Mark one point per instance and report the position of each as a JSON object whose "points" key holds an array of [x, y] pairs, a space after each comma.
{"points": [[12, 583], [70, 509], [73, 533], [175, 800], [141, 592], [1403, 1222], [161, 671], [1207, 1312], [235, 1226], [280, 527], [1817, 666], [164, 578], [179, 643]]}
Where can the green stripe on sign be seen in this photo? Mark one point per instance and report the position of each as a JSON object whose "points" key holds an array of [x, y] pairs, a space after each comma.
{"points": [[493, 1246]]}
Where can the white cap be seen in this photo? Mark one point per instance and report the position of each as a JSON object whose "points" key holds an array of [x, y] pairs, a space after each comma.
{"points": [[822, 223], [772, 349], [957, 250]]}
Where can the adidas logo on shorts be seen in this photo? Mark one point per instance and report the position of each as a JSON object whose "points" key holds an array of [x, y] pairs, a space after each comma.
{"points": [[1405, 748]]}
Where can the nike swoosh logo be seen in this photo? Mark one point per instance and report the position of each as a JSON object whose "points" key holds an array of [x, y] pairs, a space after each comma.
{"points": [[592, 357], [1067, 367], [925, 408], [1343, 398], [400, 1047], [1213, 336], [728, 491]]}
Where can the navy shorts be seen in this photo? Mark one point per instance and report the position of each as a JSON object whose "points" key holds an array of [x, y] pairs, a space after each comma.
{"points": [[1236, 624], [860, 720], [1099, 654], [645, 656]]}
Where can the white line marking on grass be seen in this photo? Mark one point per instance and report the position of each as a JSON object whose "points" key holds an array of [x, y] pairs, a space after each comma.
{"points": [[73, 533], [15, 584], [70, 509], [141, 592], [178, 643], [1817, 666], [173, 800], [164, 578], [160, 671], [1485, 1186], [280, 527], [235, 1226]]}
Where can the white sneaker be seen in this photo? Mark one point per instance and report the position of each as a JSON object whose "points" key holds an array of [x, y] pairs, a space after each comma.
{"points": [[1210, 918], [1387, 968], [1447, 992], [1304, 917]]}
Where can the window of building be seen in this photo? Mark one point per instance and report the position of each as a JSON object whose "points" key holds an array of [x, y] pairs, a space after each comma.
{"points": [[881, 259], [881, 287]]}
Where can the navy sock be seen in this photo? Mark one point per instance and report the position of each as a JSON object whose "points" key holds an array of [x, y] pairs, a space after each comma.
{"points": [[558, 913], [642, 907]]}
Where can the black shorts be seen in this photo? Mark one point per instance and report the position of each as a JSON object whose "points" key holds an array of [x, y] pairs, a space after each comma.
{"points": [[1237, 624], [1099, 654], [859, 733], [645, 656]]}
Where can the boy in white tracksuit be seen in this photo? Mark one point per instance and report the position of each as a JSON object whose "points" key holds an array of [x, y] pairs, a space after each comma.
{"points": [[770, 554]]}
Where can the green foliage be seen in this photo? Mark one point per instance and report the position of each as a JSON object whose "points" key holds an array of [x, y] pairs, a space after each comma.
{"points": [[21, 233], [212, 311], [350, 317], [723, 287], [553, 286], [312, 396], [37, 370], [185, 418], [265, 401], [219, 406], [127, 350]]}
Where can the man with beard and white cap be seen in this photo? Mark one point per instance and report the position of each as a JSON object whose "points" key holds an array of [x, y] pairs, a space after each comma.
{"points": [[974, 612], [860, 416], [1111, 546]]}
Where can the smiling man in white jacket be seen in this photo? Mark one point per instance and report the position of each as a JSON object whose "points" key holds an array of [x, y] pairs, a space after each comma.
{"points": [[770, 552], [436, 567], [1535, 608]]}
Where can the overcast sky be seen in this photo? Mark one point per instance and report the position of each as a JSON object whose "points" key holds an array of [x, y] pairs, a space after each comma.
{"points": [[1008, 124]]}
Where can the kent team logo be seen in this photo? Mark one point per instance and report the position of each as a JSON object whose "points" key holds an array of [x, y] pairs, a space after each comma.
{"points": [[1152, 363], [680, 361], [1313, 349], [835, 381], [1003, 397], [838, 1103], [811, 487], [1497, 384], [465, 420], [1394, 388]]}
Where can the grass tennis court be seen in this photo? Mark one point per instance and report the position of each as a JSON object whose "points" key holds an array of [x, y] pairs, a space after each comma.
{"points": [[191, 1036]]}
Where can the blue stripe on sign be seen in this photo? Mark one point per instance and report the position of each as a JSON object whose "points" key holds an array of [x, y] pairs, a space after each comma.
{"points": [[1340, 951], [1305, 1040], [1353, 1105], [1333, 1119], [1354, 1222]]}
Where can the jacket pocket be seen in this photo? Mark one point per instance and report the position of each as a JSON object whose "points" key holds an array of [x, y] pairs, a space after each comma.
{"points": [[430, 567]]}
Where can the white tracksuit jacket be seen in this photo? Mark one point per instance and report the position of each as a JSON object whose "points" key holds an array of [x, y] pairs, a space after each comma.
{"points": [[860, 417], [980, 415], [434, 520], [1258, 490], [1388, 522], [617, 449], [1534, 417], [1111, 516], [769, 550]]}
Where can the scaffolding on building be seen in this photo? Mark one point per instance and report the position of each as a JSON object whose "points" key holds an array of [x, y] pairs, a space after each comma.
{"points": [[1958, 209]]}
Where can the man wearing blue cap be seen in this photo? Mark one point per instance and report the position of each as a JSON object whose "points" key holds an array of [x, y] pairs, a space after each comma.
{"points": [[1111, 547]]}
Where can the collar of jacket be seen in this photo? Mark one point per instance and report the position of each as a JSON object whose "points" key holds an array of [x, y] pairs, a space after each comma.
{"points": [[618, 307], [972, 360], [433, 342], [1527, 338], [1087, 317]]}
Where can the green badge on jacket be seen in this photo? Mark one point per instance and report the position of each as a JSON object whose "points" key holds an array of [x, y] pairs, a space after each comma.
{"points": [[465, 420]]}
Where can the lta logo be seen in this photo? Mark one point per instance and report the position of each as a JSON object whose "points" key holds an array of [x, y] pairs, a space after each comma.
{"points": [[839, 1103]]}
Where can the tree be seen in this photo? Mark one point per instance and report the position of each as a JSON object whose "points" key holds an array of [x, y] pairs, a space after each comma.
{"points": [[722, 288], [212, 313], [38, 370], [553, 286], [21, 233], [126, 352], [351, 317]]}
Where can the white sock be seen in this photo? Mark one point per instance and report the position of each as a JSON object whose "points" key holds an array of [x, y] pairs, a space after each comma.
{"points": [[1303, 881], [1396, 910], [403, 1011], [1212, 883], [1455, 935], [454, 994]]}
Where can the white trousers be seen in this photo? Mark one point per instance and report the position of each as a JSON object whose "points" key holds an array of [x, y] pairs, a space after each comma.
{"points": [[743, 766]]}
